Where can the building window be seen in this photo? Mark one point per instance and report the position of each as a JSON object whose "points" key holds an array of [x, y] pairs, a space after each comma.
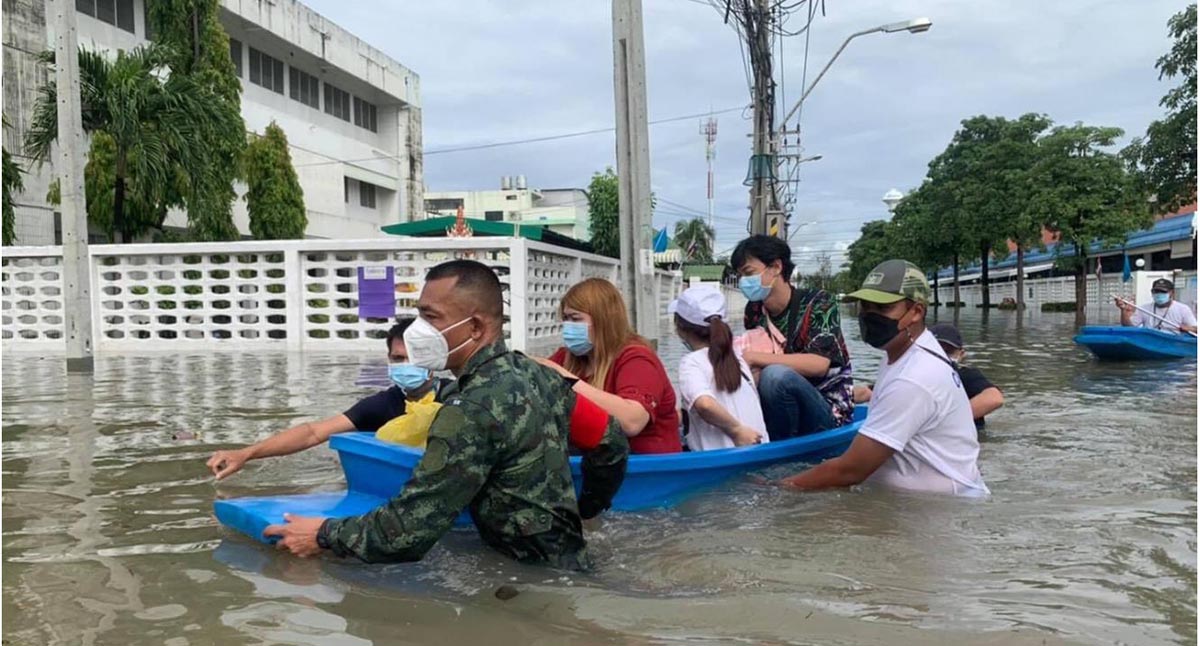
{"points": [[114, 12], [337, 102], [346, 188], [364, 115], [266, 71], [366, 195], [493, 216], [235, 55], [510, 197], [443, 204], [305, 88]]}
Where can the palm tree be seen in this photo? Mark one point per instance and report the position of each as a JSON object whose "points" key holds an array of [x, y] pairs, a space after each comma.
{"points": [[695, 238], [152, 122]]}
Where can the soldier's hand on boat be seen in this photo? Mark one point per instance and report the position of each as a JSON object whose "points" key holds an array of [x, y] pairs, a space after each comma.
{"points": [[745, 436], [297, 534], [227, 463], [1122, 304]]}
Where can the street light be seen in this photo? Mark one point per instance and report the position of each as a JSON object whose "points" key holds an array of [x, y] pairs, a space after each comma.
{"points": [[891, 199], [796, 228], [914, 26]]}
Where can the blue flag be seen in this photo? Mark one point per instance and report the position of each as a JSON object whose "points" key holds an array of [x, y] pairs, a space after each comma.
{"points": [[660, 240], [1126, 274]]}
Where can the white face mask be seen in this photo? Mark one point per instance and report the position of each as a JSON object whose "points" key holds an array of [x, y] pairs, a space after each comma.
{"points": [[427, 345]]}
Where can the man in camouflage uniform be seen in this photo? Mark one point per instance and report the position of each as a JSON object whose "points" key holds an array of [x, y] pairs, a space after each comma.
{"points": [[498, 447]]}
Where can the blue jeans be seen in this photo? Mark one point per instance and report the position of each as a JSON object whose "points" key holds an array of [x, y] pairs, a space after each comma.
{"points": [[791, 405]]}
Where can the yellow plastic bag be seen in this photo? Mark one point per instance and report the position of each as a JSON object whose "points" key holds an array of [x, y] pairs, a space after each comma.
{"points": [[411, 428]]}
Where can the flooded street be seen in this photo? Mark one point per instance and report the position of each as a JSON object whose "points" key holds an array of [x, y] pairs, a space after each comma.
{"points": [[1089, 537]]}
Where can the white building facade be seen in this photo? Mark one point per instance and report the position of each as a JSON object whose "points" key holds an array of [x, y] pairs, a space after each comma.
{"points": [[351, 114], [563, 210]]}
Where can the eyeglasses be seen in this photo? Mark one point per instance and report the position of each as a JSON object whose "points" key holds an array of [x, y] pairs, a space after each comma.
{"points": [[1159, 291]]}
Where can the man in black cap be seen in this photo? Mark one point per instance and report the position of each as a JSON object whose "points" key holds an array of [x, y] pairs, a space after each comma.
{"points": [[1169, 314], [984, 396]]}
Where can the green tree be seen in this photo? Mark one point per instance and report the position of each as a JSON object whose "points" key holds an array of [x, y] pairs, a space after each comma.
{"points": [[980, 183], [154, 124], [604, 212], [273, 195], [1086, 195], [695, 238], [198, 46], [872, 247], [13, 184], [823, 277], [1166, 156]]}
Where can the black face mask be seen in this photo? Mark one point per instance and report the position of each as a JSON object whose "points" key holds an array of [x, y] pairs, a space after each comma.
{"points": [[878, 330]]}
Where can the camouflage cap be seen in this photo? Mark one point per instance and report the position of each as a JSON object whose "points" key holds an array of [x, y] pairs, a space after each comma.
{"points": [[894, 280]]}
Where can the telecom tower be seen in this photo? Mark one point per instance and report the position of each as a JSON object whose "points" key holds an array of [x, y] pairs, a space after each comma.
{"points": [[709, 130]]}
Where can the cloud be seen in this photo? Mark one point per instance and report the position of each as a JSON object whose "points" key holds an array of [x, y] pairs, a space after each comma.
{"points": [[495, 71]]}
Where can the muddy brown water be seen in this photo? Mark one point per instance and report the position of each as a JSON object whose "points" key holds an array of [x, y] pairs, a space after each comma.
{"points": [[1089, 537]]}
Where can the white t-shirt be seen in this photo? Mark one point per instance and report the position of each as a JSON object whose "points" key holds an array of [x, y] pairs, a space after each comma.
{"points": [[919, 409], [1176, 313], [696, 380]]}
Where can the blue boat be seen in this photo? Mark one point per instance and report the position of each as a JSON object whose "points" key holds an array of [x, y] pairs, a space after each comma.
{"points": [[377, 470], [1135, 343]]}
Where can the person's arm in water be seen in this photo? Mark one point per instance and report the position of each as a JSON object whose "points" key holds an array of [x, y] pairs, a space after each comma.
{"points": [[293, 440], [714, 413], [986, 402], [850, 468], [605, 456]]}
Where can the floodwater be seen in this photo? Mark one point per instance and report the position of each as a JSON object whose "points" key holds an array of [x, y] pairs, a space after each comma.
{"points": [[1089, 537]]}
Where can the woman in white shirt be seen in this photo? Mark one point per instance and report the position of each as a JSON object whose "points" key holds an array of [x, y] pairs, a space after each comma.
{"points": [[714, 382]]}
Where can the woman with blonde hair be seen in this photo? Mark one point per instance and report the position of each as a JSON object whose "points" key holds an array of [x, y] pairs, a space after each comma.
{"points": [[616, 368]]}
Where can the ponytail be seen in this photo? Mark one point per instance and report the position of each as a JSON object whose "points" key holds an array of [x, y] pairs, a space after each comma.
{"points": [[726, 371]]}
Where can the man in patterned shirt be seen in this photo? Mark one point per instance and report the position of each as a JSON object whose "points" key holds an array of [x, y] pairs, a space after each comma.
{"points": [[805, 385]]}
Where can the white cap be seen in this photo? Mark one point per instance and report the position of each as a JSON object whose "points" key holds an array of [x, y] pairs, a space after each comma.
{"points": [[696, 304]]}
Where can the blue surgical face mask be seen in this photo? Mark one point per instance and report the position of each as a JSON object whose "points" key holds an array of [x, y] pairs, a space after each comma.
{"points": [[1161, 298], [575, 338], [408, 377], [752, 288]]}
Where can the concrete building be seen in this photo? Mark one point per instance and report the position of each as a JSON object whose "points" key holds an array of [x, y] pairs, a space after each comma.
{"points": [[563, 210], [352, 114]]}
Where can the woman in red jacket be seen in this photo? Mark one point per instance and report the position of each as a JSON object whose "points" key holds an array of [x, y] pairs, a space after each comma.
{"points": [[615, 367]]}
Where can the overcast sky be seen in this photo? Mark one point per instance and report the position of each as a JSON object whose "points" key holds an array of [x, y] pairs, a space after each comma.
{"points": [[514, 69]]}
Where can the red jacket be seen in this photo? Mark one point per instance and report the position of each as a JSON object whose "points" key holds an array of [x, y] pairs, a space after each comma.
{"points": [[638, 375]]}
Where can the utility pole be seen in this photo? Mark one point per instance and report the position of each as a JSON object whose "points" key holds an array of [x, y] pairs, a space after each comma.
{"points": [[633, 165], [77, 302], [709, 130], [764, 214]]}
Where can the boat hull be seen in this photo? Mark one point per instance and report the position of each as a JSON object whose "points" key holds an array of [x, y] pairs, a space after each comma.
{"points": [[1135, 344], [376, 471]]}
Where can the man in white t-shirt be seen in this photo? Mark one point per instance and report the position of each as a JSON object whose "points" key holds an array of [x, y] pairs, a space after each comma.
{"points": [[919, 433], [714, 381], [1169, 314]]}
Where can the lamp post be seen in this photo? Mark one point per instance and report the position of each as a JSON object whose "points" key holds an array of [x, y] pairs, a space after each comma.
{"points": [[914, 26]]}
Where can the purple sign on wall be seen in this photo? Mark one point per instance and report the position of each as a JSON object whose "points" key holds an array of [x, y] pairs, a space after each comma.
{"points": [[376, 292]]}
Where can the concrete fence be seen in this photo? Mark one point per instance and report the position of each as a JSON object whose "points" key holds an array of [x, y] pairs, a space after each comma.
{"points": [[1061, 289], [293, 295]]}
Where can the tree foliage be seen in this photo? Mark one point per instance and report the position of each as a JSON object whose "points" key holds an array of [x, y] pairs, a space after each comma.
{"points": [[149, 128], [695, 239], [273, 196], [190, 30], [1086, 194], [872, 247], [1166, 157], [13, 184], [604, 213]]}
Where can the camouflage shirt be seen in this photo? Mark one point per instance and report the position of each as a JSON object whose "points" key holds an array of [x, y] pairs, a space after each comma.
{"points": [[812, 324], [498, 447]]}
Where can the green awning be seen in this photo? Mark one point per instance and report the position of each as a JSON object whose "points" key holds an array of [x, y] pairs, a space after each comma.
{"points": [[704, 272], [436, 228]]}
